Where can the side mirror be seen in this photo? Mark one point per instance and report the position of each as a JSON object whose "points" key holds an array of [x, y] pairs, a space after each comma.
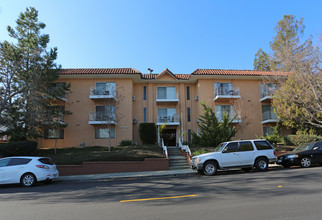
{"points": [[224, 150], [315, 148]]}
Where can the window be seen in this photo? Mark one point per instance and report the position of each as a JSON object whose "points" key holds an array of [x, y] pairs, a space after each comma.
{"points": [[18, 161], [166, 93], [188, 92], [54, 133], [245, 146], [189, 136], [103, 133], [104, 112], [268, 113], [57, 111], [4, 162], [46, 161], [58, 89], [268, 131], [144, 92], [268, 89], [222, 110], [167, 115], [144, 114], [105, 88], [188, 114], [262, 145], [231, 147]]}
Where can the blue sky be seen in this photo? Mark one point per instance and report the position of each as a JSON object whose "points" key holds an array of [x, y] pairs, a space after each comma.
{"points": [[182, 35]]}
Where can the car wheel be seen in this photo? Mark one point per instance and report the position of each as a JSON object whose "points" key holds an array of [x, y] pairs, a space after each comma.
{"points": [[306, 162], [28, 179], [261, 164], [210, 168]]}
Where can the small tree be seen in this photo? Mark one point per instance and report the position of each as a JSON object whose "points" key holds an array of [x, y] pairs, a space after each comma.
{"points": [[276, 136], [211, 131]]}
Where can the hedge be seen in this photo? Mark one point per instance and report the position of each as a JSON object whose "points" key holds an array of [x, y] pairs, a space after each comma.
{"points": [[148, 133], [18, 148], [296, 140]]}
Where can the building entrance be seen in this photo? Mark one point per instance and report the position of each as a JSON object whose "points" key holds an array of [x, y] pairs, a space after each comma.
{"points": [[169, 137]]}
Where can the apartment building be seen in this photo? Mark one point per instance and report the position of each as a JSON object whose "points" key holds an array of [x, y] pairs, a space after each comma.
{"points": [[175, 100]]}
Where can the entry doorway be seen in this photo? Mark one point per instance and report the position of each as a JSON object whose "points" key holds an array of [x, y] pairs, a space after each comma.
{"points": [[169, 137]]}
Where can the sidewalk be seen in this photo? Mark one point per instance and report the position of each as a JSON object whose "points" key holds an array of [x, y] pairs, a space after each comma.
{"points": [[134, 174]]}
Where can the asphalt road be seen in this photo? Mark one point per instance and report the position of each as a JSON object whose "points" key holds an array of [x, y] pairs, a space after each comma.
{"points": [[277, 194]]}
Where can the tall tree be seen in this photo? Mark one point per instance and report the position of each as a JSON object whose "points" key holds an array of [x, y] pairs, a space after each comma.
{"points": [[262, 62], [298, 101], [33, 69]]}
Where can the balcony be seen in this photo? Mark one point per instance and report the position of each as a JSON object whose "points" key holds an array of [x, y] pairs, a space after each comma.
{"points": [[167, 94], [99, 118], [102, 94], [167, 116], [224, 93], [222, 110], [269, 117], [267, 91]]}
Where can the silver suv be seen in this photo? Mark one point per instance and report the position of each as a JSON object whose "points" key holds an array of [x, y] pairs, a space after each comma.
{"points": [[244, 154]]}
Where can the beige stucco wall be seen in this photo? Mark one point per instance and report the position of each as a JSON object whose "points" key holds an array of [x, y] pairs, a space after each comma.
{"points": [[78, 102]]}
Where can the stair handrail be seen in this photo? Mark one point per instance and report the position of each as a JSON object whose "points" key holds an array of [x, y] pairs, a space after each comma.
{"points": [[184, 147], [164, 148]]}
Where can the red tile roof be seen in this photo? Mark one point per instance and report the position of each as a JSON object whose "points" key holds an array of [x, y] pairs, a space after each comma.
{"points": [[99, 71], [237, 72]]}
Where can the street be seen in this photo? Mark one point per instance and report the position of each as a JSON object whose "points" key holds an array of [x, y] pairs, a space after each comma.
{"points": [[277, 194]]}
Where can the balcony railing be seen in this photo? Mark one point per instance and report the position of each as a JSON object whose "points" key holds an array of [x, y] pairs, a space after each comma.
{"points": [[269, 116], [226, 93], [101, 94], [232, 116], [168, 119], [101, 118], [267, 91]]}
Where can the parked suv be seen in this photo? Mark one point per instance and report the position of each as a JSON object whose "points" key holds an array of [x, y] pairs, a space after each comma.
{"points": [[244, 154]]}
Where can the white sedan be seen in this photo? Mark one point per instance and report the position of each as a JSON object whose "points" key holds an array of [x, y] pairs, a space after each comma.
{"points": [[27, 170]]}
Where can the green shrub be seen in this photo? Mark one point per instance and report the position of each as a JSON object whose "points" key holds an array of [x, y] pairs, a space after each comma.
{"points": [[18, 148], [126, 143], [148, 133], [296, 140]]}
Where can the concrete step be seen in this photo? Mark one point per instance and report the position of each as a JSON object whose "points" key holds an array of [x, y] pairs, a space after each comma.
{"points": [[176, 157]]}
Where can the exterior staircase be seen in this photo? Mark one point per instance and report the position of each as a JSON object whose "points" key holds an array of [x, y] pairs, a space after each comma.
{"points": [[176, 160]]}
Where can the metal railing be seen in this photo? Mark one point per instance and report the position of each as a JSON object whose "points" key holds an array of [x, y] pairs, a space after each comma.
{"points": [[168, 119], [164, 148], [106, 92], [225, 91], [184, 147], [98, 116], [269, 115]]}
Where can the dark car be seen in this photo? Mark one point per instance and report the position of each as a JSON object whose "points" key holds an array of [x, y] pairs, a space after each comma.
{"points": [[305, 155]]}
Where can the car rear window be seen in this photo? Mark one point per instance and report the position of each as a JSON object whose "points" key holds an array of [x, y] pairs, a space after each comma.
{"points": [[263, 145], [46, 161], [18, 161]]}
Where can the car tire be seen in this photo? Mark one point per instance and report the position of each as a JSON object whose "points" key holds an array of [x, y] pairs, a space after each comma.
{"points": [[305, 162], [210, 168], [261, 164], [28, 179]]}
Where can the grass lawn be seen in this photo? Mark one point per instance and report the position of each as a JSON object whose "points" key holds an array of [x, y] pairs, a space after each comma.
{"points": [[68, 156]]}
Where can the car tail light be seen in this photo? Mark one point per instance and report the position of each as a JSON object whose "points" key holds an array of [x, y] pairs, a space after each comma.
{"points": [[275, 153], [42, 166]]}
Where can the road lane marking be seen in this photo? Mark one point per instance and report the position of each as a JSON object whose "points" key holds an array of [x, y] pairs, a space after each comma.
{"points": [[280, 186], [147, 199]]}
